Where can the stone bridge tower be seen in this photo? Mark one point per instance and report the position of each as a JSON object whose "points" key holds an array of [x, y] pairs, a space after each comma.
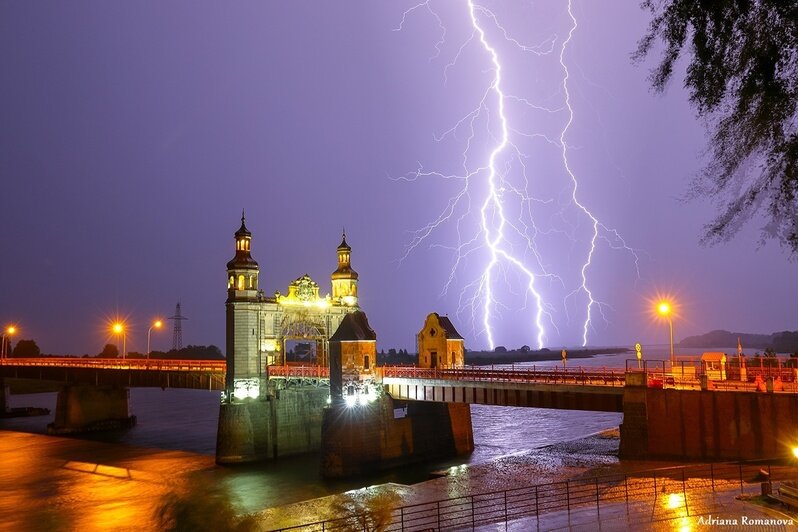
{"points": [[242, 311]]}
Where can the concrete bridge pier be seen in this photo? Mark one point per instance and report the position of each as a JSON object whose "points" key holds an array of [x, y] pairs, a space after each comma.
{"points": [[706, 424], [85, 408], [244, 432], [282, 423], [634, 429], [385, 433], [4, 393]]}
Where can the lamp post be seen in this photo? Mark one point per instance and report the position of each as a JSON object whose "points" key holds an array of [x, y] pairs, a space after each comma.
{"points": [[119, 328], [664, 310], [157, 324], [8, 332]]}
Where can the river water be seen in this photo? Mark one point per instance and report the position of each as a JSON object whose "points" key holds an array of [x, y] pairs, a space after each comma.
{"points": [[175, 439]]}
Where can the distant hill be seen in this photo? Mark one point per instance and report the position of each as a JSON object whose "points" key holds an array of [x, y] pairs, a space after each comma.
{"points": [[782, 342]]}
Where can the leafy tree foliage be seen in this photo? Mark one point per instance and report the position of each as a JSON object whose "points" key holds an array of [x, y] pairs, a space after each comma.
{"points": [[109, 351], [26, 349], [743, 79], [191, 352], [785, 341]]}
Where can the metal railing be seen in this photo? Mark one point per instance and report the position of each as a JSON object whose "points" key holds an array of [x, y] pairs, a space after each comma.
{"points": [[579, 375], [651, 495], [687, 374], [298, 372], [152, 364]]}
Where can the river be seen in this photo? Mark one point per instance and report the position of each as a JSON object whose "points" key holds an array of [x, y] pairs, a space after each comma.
{"points": [[175, 438]]}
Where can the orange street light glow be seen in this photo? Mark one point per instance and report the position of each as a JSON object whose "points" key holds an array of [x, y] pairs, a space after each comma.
{"points": [[664, 308], [158, 324], [11, 330], [118, 328]]}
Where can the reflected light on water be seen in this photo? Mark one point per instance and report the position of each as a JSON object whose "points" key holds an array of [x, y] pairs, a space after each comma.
{"points": [[675, 500]]}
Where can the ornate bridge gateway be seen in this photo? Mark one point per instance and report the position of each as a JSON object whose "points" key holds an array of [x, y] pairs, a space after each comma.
{"points": [[260, 326]]}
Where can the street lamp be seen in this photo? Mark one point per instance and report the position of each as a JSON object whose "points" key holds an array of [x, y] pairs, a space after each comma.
{"points": [[664, 309], [7, 334], [157, 324], [119, 328]]}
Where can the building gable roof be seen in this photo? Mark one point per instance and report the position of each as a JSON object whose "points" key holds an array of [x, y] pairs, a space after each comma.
{"points": [[448, 327], [354, 327]]}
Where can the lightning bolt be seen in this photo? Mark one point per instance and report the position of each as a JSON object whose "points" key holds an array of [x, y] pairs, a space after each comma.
{"points": [[611, 235], [505, 160], [493, 204]]}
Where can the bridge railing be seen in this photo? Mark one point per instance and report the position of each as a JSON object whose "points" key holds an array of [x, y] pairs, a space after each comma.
{"points": [[579, 375], [298, 371], [756, 375], [152, 364], [646, 496]]}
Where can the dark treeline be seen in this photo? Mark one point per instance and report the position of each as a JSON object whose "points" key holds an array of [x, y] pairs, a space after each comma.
{"points": [[396, 357], [190, 352], [780, 342], [500, 355], [29, 349]]}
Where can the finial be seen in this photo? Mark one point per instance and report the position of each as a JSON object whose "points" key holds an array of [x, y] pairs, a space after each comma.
{"points": [[242, 215], [343, 232]]}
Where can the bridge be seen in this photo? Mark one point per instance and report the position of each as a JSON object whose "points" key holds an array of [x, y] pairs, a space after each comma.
{"points": [[684, 412], [594, 389], [667, 413], [95, 395], [129, 372]]}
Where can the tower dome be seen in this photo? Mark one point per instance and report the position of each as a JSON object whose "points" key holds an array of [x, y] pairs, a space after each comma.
{"points": [[344, 278], [242, 270]]}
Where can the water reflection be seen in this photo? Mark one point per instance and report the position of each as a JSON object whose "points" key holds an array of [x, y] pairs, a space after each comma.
{"points": [[201, 503]]}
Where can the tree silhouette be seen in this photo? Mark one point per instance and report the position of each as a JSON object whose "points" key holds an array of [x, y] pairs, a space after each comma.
{"points": [[26, 349], [109, 351], [743, 79]]}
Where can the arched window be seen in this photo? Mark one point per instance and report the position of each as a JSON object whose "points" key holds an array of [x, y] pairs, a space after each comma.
{"points": [[366, 362], [231, 282], [241, 282]]}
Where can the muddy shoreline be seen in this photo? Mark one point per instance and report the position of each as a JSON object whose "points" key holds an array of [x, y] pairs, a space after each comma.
{"points": [[593, 455]]}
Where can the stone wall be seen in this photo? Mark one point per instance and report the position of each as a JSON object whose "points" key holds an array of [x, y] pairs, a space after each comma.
{"points": [[713, 425], [385, 434], [82, 408], [284, 424]]}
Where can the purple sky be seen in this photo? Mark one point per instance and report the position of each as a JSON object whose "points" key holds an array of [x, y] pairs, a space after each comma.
{"points": [[132, 134]]}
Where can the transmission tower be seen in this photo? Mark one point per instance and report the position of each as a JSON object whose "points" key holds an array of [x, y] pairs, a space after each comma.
{"points": [[177, 334]]}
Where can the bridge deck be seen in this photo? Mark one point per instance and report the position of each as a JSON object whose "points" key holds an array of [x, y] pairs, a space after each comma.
{"points": [[572, 389], [197, 374]]}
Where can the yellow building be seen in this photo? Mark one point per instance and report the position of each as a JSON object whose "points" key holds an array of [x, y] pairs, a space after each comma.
{"points": [[439, 344]]}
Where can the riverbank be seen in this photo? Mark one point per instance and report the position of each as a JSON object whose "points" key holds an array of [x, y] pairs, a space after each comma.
{"points": [[674, 504], [128, 485], [56, 483], [594, 454]]}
